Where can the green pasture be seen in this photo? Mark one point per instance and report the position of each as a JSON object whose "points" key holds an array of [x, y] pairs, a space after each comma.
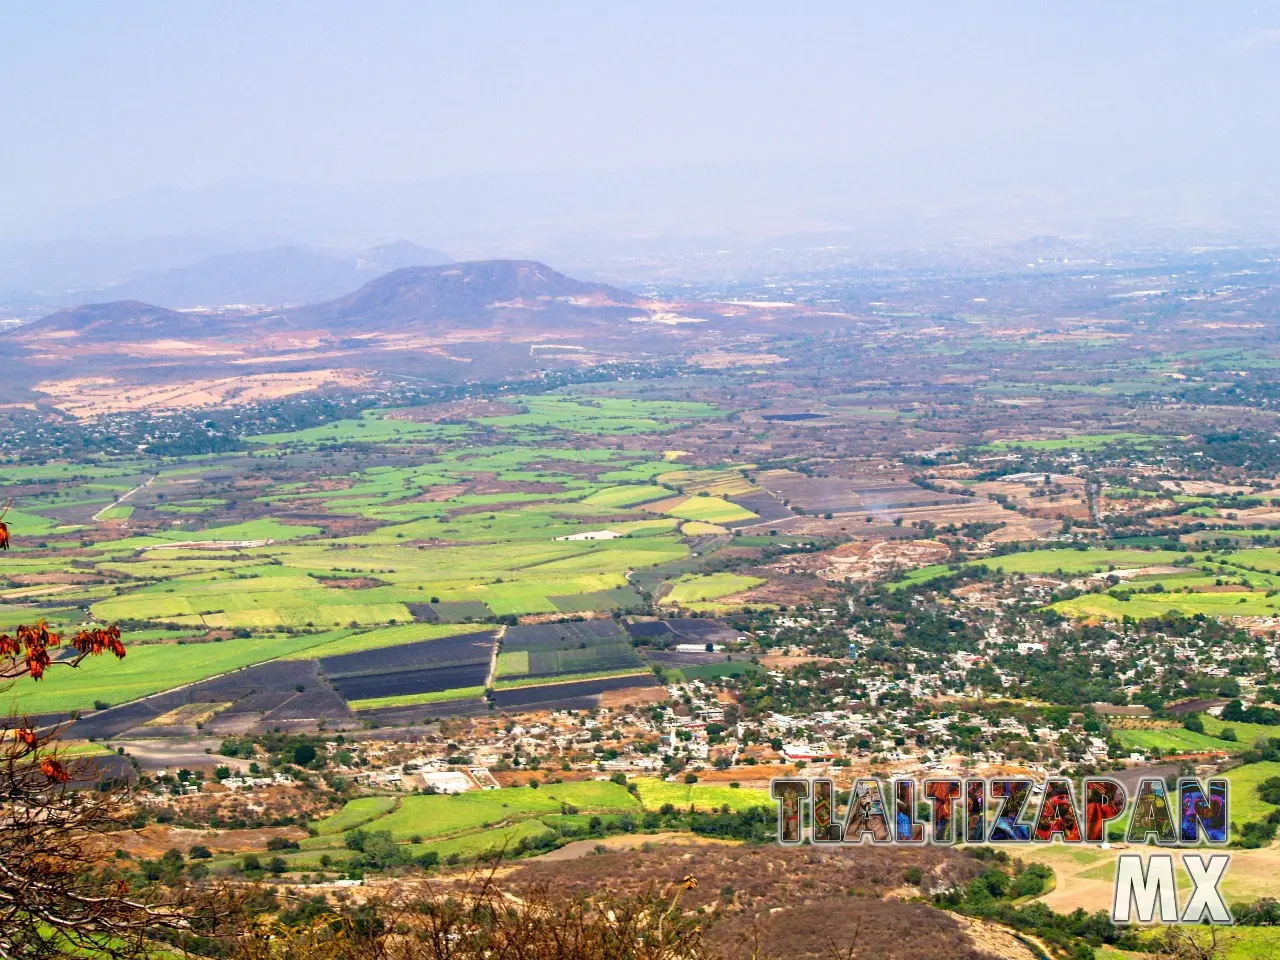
{"points": [[1071, 562], [1246, 805], [388, 637], [711, 586], [509, 683], [354, 813], [711, 510], [441, 815], [922, 575], [1247, 733], [1147, 606], [1172, 740], [416, 699], [709, 671], [627, 495], [513, 663], [605, 415], [487, 843], [1086, 441], [654, 793], [147, 669], [372, 427]]}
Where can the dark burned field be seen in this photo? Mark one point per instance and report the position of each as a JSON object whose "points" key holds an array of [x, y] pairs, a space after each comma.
{"points": [[575, 695], [430, 666], [681, 630], [560, 636], [258, 697], [405, 682], [566, 649]]}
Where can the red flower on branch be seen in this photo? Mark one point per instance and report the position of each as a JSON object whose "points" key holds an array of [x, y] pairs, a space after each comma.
{"points": [[54, 770], [99, 640]]}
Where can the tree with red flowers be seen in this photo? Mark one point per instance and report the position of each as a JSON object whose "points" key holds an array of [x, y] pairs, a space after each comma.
{"points": [[55, 898]]}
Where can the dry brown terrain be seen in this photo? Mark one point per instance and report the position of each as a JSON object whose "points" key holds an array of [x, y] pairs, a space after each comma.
{"points": [[866, 559], [801, 903], [155, 838], [94, 396]]}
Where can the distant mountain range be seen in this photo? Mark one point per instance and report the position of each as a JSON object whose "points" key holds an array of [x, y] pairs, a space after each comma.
{"points": [[180, 272], [477, 294], [275, 276]]}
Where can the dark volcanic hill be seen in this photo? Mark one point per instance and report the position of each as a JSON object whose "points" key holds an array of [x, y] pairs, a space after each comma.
{"points": [[121, 320], [459, 296], [468, 295]]}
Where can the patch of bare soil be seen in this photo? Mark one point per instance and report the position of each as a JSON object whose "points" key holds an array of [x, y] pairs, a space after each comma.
{"points": [[872, 559], [782, 661], [354, 583], [94, 396], [154, 839], [723, 359], [994, 940], [61, 577], [626, 841], [634, 696], [1020, 528], [787, 591]]}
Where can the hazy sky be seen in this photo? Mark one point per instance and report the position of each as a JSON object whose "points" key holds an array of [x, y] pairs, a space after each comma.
{"points": [[99, 100]]}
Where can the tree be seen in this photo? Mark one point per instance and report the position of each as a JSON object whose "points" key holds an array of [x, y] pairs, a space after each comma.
{"points": [[304, 754], [55, 900]]}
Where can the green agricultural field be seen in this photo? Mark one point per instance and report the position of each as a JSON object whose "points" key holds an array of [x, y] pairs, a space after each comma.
{"points": [[428, 519], [388, 637], [628, 495], [1079, 561], [1171, 740], [485, 844], [1150, 605], [370, 428], [268, 528], [262, 597], [1066, 562], [654, 793], [708, 671], [28, 527], [712, 586], [619, 598], [510, 683], [1093, 441], [1266, 559], [415, 699], [441, 815], [922, 575], [148, 669], [513, 663], [356, 812], [611, 415], [1246, 805], [711, 510], [1247, 733]]}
